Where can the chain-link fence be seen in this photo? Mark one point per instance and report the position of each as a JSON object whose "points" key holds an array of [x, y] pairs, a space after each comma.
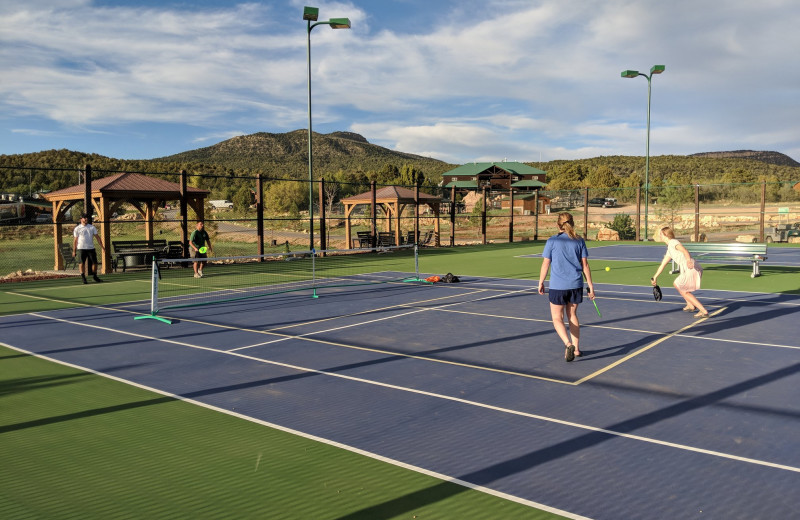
{"points": [[250, 215]]}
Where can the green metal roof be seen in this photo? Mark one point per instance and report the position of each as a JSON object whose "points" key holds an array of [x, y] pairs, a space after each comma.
{"points": [[530, 183], [472, 169], [462, 184]]}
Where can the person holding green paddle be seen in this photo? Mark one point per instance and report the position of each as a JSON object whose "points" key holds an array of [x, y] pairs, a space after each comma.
{"points": [[566, 257], [197, 244]]}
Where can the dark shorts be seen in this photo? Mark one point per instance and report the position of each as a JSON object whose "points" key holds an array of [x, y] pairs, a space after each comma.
{"points": [[565, 296], [198, 255], [87, 254]]}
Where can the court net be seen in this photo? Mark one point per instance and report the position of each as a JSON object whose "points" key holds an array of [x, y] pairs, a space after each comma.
{"points": [[175, 285]]}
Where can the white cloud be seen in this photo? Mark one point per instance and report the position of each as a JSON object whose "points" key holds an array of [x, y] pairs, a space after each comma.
{"points": [[484, 78]]}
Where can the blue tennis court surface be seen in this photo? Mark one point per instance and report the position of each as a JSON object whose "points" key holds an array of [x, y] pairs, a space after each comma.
{"points": [[776, 256], [665, 416]]}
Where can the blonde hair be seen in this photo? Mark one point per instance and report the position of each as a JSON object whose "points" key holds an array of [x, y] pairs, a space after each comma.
{"points": [[667, 232], [566, 223]]}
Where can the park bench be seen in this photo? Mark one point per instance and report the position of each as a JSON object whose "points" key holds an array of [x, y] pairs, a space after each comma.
{"points": [[702, 251], [136, 253], [173, 251], [66, 254]]}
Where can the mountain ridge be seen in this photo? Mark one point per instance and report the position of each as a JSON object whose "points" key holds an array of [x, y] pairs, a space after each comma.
{"points": [[764, 156]]}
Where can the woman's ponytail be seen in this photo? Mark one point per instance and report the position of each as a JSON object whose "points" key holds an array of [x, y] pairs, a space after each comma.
{"points": [[567, 224]]}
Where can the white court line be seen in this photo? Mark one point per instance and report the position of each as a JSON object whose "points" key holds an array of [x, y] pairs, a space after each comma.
{"points": [[315, 438], [621, 329], [443, 397], [368, 322]]}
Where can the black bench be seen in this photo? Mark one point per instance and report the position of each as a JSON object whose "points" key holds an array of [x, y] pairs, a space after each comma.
{"points": [[66, 254], [173, 251], [703, 251], [136, 253]]}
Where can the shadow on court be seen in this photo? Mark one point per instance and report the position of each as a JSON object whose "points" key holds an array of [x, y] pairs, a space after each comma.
{"points": [[490, 474]]}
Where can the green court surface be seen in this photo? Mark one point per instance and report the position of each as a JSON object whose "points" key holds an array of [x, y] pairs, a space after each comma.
{"points": [[500, 260], [75, 444]]}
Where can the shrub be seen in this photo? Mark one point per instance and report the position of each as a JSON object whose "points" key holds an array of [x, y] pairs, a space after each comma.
{"points": [[623, 224]]}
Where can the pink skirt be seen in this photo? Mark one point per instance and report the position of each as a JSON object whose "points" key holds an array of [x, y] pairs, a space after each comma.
{"points": [[689, 280]]}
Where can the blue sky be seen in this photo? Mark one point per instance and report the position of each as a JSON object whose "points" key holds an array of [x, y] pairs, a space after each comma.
{"points": [[460, 80]]}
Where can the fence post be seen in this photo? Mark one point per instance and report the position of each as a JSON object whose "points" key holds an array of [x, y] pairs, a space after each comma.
{"points": [[453, 216], [88, 207], [374, 216], [483, 216], [260, 215], [184, 217], [697, 213], [322, 227], [763, 211], [416, 211], [586, 213], [536, 215], [638, 212], [511, 217]]}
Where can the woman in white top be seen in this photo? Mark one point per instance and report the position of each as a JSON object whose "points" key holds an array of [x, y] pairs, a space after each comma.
{"points": [[691, 272]]}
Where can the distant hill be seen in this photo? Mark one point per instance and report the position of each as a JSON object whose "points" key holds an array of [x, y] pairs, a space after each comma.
{"points": [[767, 157], [230, 164], [286, 154]]}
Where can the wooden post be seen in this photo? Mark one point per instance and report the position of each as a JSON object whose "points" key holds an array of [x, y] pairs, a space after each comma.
{"points": [[638, 212], [763, 211], [88, 207], [149, 213], [260, 215], [536, 215], [697, 213], [184, 216], [511, 216], [374, 216], [586, 213], [483, 216], [105, 231], [453, 216], [58, 235]]}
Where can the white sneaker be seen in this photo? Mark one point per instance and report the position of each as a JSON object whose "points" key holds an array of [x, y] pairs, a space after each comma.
{"points": [[201, 273], [196, 275]]}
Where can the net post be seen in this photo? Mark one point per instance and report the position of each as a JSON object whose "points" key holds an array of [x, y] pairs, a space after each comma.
{"points": [[416, 277], [314, 273], [154, 297]]}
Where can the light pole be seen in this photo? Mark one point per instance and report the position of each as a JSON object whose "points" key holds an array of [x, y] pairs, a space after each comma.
{"points": [[310, 14], [655, 69]]}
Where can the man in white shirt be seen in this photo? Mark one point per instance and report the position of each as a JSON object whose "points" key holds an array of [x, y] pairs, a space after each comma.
{"points": [[83, 247]]}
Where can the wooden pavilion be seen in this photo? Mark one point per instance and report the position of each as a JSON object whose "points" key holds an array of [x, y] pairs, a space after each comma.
{"points": [[109, 193], [392, 200]]}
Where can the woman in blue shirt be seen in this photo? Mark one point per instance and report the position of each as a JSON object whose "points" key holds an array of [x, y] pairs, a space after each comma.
{"points": [[565, 256]]}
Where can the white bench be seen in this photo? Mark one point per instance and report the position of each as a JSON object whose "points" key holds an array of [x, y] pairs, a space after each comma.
{"points": [[702, 251]]}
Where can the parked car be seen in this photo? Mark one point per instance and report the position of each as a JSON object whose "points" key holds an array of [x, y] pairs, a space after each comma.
{"points": [[611, 202], [44, 218]]}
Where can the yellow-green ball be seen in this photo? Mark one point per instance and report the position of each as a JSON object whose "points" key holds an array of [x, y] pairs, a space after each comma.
{"points": [[608, 268]]}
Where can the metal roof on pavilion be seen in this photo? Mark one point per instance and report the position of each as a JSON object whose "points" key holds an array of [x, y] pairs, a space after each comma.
{"points": [[472, 169]]}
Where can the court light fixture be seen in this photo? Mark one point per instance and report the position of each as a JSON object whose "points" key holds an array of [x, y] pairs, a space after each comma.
{"points": [[311, 14], [655, 69]]}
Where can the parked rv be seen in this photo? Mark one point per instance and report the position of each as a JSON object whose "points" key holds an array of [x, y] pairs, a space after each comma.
{"points": [[221, 204]]}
